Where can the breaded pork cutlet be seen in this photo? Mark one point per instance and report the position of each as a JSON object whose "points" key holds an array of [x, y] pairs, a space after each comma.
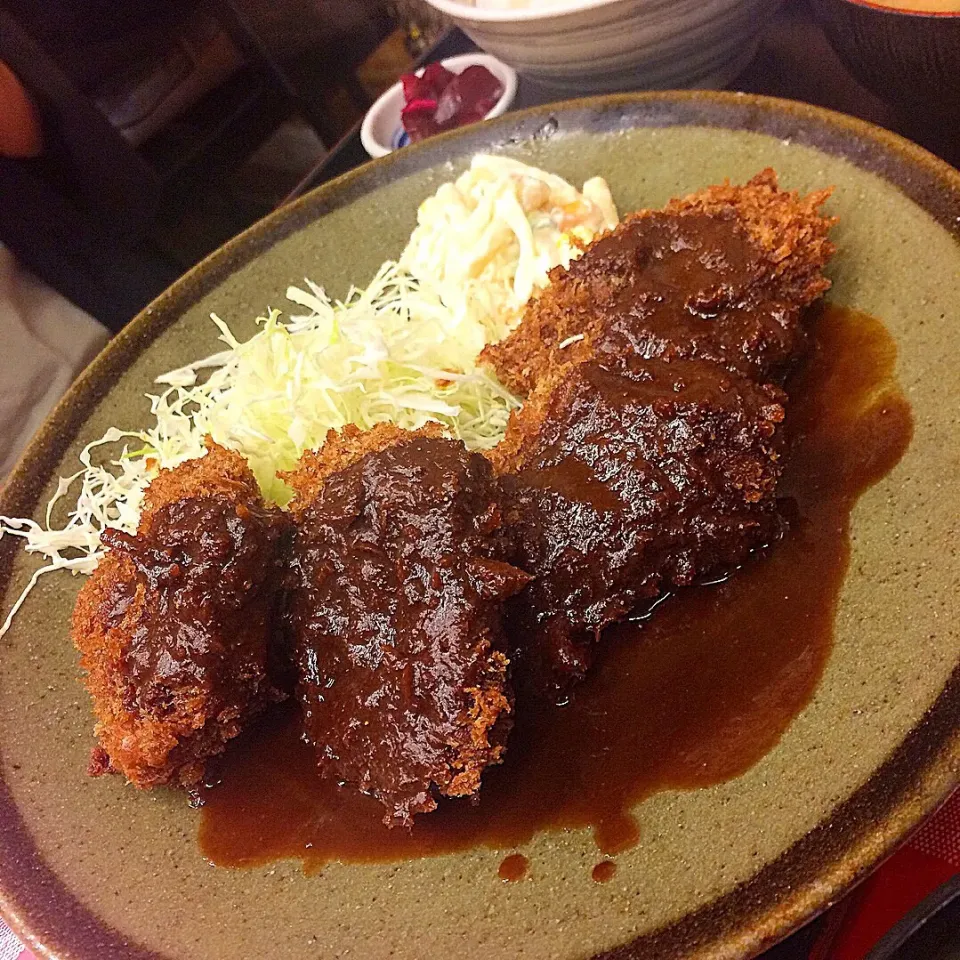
{"points": [[174, 624], [397, 589], [625, 484], [648, 451], [722, 274]]}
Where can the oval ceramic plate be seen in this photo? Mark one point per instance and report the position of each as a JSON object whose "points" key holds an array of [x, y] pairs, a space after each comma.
{"points": [[92, 869]]}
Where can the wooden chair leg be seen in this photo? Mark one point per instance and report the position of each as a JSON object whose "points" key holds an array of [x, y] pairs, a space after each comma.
{"points": [[244, 34]]}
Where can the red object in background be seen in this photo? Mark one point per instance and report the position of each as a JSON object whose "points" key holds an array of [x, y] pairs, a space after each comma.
{"points": [[440, 100], [429, 85], [928, 859], [20, 134]]}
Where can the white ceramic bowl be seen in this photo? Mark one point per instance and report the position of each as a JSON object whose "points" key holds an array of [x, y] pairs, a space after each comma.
{"points": [[382, 131], [594, 46]]}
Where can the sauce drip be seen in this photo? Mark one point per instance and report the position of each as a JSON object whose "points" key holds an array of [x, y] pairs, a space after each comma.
{"points": [[513, 868], [603, 871], [690, 697]]}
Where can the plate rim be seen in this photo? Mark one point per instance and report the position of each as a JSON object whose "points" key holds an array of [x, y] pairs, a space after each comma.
{"points": [[856, 837]]}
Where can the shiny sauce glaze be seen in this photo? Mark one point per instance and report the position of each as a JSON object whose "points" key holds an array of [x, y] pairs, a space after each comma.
{"points": [[713, 262], [603, 871], [513, 868], [208, 563], [396, 614], [690, 696]]}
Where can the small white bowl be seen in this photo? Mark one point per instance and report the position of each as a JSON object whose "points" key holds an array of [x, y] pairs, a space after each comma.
{"points": [[382, 131], [598, 46]]}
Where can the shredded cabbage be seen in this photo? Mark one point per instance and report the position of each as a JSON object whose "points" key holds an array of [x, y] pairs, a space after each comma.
{"points": [[404, 349]]}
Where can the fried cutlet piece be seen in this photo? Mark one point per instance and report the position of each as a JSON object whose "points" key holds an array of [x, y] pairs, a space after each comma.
{"points": [[174, 625], [624, 483], [341, 449], [397, 589], [722, 274]]}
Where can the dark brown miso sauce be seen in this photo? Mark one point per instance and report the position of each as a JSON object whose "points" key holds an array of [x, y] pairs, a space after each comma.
{"points": [[513, 868], [603, 871], [691, 697]]}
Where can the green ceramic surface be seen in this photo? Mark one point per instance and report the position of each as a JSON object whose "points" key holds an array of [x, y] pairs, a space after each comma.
{"points": [[93, 869]]}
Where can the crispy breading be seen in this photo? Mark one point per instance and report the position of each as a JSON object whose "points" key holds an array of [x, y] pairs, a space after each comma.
{"points": [[173, 627], [341, 449], [790, 229], [609, 301], [398, 587], [624, 484], [648, 450], [219, 472]]}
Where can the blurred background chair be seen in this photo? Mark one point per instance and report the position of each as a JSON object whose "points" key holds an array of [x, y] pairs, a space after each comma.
{"points": [[147, 110]]}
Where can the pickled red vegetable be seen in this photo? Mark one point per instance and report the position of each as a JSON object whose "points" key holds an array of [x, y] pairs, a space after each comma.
{"points": [[439, 100]]}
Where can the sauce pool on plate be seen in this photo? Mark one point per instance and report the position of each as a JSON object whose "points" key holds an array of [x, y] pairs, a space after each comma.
{"points": [[690, 696], [513, 868], [603, 872]]}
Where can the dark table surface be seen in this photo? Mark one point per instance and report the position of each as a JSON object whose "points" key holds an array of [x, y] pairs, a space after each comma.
{"points": [[795, 60]]}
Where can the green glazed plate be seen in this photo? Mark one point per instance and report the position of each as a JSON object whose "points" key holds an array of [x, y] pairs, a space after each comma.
{"points": [[91, 869]]}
